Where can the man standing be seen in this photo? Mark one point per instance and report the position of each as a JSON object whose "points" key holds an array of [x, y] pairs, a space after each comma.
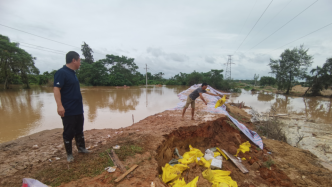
{"points": [[69, 102], [193, 96]]}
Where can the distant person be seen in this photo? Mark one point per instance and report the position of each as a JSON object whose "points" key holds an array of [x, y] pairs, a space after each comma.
{"points": [[193, 96], [69, 102]]}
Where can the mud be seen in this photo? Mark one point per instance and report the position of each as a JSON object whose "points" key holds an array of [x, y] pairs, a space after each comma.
{"points": [[158, 135]]}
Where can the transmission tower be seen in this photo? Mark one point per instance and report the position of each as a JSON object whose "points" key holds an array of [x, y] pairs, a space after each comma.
{"points": [[228, 72]]}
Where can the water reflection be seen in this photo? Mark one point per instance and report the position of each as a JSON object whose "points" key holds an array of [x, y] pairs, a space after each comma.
{"points": [[265, 97], [23, 112], [316, 108], [19, 110]]}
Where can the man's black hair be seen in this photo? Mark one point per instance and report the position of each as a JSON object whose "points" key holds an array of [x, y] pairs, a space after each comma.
{"points": [[204, 84], [70, 55]]}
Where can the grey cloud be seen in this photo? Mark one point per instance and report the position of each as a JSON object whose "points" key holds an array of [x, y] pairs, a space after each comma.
{"points": [[210, 60], [157, 52], [186, 36]]}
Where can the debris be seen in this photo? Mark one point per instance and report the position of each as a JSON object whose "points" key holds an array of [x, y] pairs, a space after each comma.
{"points": [[117, 161], [57, 158], [201, 161], [222, 153], [35, 147], [27, 182], [152, 184], [108, 136], [111, 169], [50, 160], [209, 155], [218, 157], [236, 162], [176, 152], [172, 172], [116, 147], [216, 164], [126, 173], [173, 162]]}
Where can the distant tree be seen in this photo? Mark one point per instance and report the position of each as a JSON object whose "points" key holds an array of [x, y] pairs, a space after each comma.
{"points": [[265, 80], [322, 78], [256, 77], [87, 53], [292, 65], [95, 74], [123, 65], [15, 61]]}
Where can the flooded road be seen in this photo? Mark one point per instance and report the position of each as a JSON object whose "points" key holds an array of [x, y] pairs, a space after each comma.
{"points": [[307, 124], [317, 109], [24, 112]]}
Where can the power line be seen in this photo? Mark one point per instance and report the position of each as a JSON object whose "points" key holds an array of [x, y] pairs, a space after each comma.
{"points": [[273, 18], [248, 17], [284, 25], [44, 50], [37, 35], [41, 47], [44, 37], [304, 36], [254, 26]]}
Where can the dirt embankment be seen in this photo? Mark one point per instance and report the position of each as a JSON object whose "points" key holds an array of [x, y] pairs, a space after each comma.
{"points": [[150, 144]]}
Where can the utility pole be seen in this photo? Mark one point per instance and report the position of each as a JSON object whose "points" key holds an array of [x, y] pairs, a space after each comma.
{"points": [[228, 72], [146, 75]]}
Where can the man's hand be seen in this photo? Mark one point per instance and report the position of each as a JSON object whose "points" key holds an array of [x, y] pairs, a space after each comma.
{"points": [[61, 111]]}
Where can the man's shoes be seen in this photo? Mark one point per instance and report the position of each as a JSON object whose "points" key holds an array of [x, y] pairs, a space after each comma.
{"points": [[68, 147], [80, 143]]}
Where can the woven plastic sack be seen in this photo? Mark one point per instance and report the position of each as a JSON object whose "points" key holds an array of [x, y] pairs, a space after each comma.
{"points": [[202, 162], [182, 183], [245, 147], [220, 102], [191, 156], [219, 178], [27, 182], [172, 172]]}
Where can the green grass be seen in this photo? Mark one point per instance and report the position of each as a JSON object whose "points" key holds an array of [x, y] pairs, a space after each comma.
{"points": [[84, 166], [128, 150], [268, 163]]}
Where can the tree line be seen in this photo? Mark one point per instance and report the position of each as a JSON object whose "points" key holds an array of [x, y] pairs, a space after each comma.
{"points": [[18, 67]]}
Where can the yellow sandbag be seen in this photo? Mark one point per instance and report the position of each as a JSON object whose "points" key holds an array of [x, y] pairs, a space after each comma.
{"points": [[220, 102], [208, 175], [178, 183], [215, 154], [219, 178], [193, 183], [191, 156], [182, 183], [203, 162], [245, 147], [172, 172], [222, 153]]}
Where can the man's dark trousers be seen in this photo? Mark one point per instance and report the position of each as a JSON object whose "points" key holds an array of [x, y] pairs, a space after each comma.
{"points": [[72, 126]]}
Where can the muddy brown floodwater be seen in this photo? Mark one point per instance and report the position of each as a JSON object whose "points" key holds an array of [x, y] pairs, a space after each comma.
{"points": [[24, 112], [318, 109]]}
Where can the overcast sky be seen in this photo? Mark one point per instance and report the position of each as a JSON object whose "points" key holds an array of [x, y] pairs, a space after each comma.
{"points": [[171, 36]]}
